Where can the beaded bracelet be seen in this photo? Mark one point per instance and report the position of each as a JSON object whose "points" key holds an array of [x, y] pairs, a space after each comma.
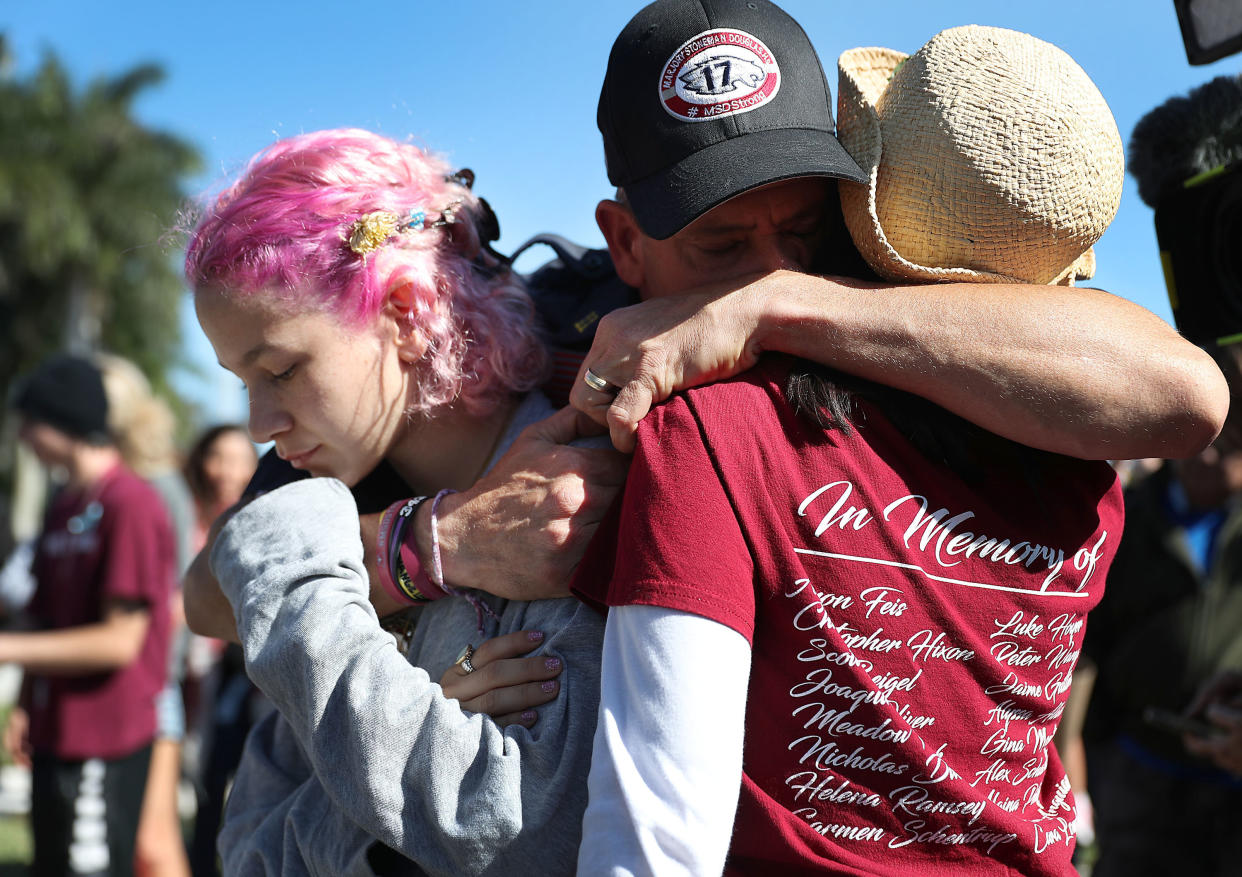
{"points": [[384, 573]]}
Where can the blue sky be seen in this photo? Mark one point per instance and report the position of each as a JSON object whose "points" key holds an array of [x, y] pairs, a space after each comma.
{"points": [[509, 89]]}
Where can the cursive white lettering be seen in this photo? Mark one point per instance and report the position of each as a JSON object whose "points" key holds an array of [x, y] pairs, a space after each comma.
{"points": [[839, 515]]}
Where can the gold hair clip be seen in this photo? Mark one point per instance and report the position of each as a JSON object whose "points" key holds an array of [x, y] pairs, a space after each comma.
{"points": [[372, 231]]}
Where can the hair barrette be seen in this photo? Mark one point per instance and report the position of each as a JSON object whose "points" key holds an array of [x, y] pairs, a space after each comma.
{"points": [[372, 231]]}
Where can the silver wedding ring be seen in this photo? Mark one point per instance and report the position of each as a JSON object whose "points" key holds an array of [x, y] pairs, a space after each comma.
{"points": [[595, 382], [463, 660]]}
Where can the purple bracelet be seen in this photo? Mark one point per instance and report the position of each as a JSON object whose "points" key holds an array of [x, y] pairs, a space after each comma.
{"points": [[437, 567], [437, 571]]}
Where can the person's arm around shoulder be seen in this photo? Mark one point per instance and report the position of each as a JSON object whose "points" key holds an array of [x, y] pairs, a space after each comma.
{"points": [[1072, 370]]}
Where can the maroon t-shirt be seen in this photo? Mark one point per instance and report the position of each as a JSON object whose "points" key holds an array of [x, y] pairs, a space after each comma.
{"points": [[913, 635], [113, 542]]}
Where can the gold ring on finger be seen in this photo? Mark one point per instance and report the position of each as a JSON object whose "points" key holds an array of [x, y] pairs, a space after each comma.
{"points": [[464, 661]]}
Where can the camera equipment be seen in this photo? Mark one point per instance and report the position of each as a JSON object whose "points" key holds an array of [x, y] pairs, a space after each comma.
{"points": [[1176, 723], [1211, 29], [1199, 229]]}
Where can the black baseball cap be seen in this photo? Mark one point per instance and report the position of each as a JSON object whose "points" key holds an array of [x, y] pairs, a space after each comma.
{"points": [[706, 99]]}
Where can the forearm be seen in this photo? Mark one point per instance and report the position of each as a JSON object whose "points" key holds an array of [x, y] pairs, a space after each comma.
{"points": [[75, 651], [667, 764], [1077, 371], [207, 610]]}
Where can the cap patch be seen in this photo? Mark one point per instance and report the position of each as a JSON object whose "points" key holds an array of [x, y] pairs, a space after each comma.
{"points": [[718, 73]]}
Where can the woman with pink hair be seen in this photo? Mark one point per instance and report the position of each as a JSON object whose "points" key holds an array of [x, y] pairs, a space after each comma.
{"points": [[346, 279]]}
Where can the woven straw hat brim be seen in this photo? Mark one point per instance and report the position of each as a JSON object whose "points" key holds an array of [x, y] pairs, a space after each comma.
{"points": [[950, 185], [864, 74]]}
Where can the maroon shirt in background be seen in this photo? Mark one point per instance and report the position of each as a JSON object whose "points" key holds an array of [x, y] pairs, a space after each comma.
{"points": [[126, 553], [909, 665]]}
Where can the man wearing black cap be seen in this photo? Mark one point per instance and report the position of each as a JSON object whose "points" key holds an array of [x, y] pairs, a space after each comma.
{"points": [[706, 101], [718, 135], [104, 565], [718, 132]]}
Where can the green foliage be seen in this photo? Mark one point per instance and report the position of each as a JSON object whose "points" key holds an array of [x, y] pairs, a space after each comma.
{"points": [[15, 845], [87, 195]]}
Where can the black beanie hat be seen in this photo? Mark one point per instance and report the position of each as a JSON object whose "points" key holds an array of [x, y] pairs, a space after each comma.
{"points": [[67, 392]]}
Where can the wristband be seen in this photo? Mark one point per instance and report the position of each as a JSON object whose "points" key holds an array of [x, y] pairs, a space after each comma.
{"points": [[392, 523], [381, 556], [409, 574], [406, 571]]}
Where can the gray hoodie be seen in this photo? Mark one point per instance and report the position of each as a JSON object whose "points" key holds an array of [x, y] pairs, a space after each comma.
{"points": [[365, 750]]}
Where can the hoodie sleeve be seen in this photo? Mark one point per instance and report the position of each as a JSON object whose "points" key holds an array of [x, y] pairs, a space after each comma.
{"points": [[449, 789]]}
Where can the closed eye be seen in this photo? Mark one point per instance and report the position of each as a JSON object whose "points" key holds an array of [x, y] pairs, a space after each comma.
{"points": [[721, 248], [807, 226]]}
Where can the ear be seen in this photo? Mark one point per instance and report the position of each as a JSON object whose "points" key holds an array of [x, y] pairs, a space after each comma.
{"points": [[624, 237], [400, 308]]}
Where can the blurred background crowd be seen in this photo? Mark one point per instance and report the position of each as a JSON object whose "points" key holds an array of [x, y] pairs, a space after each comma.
{"points": [[207, 703]]}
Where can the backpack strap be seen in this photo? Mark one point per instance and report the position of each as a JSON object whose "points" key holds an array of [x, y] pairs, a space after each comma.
{"points": [[589, 264], [573, 291]]}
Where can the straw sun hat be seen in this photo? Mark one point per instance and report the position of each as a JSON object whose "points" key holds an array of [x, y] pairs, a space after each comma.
{"points": [[991, 157]]}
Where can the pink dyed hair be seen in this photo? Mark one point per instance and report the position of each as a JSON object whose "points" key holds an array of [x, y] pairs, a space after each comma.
{"points": [[282, 229]]}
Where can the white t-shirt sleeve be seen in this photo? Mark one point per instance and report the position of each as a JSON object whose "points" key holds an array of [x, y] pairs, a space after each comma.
{"points": [[667, 763]]}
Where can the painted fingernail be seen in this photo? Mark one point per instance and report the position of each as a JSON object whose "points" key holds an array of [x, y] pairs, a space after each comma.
{"points": [[553, 663], [535, 636], [549, 686], [529, 716]]}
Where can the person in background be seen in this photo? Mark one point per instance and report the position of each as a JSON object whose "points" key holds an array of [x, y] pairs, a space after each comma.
{"points": [[144, 428], [218, 467], [105, 566], [1165, 636]]}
